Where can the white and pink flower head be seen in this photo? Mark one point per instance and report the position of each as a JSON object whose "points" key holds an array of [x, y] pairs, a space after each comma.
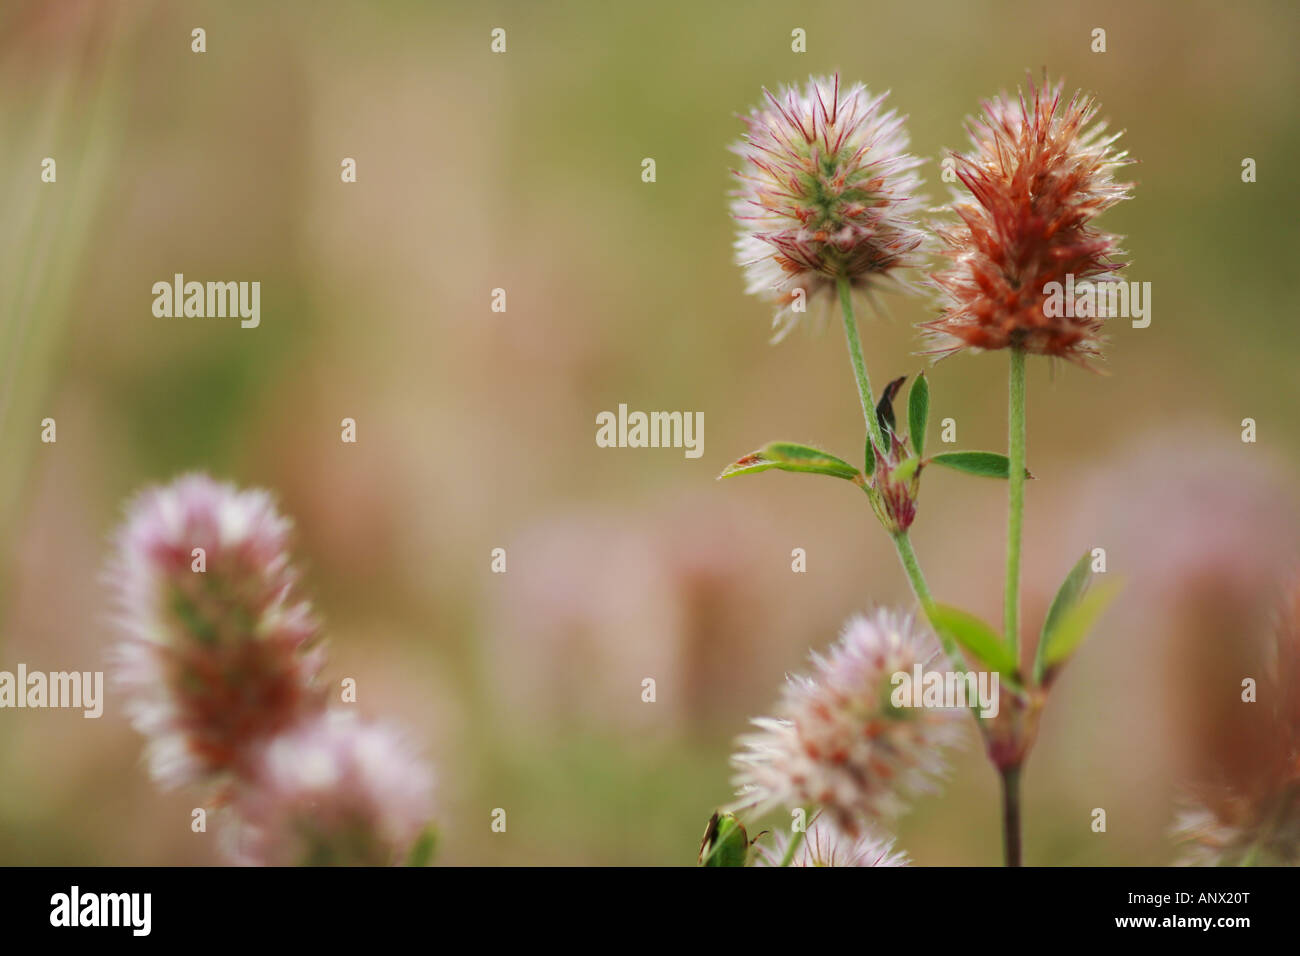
{"points": [[836, 740], [219, 649], [334, 791], [824, 844], [827, 191]]}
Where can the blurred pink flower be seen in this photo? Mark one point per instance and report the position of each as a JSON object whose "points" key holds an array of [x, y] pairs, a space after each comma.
{"points": [[1202, 532], [1250, 814], [838, 743], [333, 791], [827, 191], [218, 648], [681, 592], [1193, 520], [825, 845]]}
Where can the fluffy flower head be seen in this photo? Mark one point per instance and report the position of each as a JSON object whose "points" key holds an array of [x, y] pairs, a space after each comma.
{"points": [[333, 791], [838, 742], [827, 191], [1038, 172], [826, 845], [217, 650]]}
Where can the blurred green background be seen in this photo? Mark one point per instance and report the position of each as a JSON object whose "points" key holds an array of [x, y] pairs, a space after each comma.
{"points": [[476, 429]]}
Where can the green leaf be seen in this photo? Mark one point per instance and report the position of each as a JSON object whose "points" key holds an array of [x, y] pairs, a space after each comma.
{"points": [[918, 412], [787, 456], [422, 851], [870, 457], [1072, 588], [986, 464], [975, 636], [885, 407], [725, 842], [1074, 623]]}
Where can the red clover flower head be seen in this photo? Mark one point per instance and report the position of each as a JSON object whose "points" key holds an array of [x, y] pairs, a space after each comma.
{"points": [[1040, 170]]}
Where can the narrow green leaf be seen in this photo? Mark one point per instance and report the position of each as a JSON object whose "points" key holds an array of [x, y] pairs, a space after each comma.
{"points": [[1072, 588], [870, 457], [986, 464], [976, 637], [422, 851], [787, 456], [918, 412], [1075, 623]]}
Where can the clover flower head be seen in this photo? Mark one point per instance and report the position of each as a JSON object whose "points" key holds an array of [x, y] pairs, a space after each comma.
{"points": [[825, 845], [334, 790], [1039, 171], [837, 741], [1240, 828], [218, 649], [827, 191]]}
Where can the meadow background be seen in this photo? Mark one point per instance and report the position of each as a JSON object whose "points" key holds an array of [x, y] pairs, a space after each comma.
{"points": [[476, 429]]}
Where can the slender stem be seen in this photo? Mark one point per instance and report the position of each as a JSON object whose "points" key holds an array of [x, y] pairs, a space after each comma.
{"points": [[796, 840], [1016, 495], [907, 555], [860, 369], [911, 566], [1011, 609], [902, 542], [1011, 815]]}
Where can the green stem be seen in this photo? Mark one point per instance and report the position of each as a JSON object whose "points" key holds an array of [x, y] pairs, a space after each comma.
{"points": [[915, 577], [907, 555], [902, 542], [860, 369], [1011, 609], [796, 840], [1011, 815], [1016, 496]]}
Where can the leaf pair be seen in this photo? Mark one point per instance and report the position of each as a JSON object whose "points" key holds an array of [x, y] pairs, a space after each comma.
{"points": [[1074, 611], [918, 410], [986, 464]]}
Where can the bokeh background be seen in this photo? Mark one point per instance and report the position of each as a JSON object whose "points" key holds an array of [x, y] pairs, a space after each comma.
{"points": [[476, 429]]}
